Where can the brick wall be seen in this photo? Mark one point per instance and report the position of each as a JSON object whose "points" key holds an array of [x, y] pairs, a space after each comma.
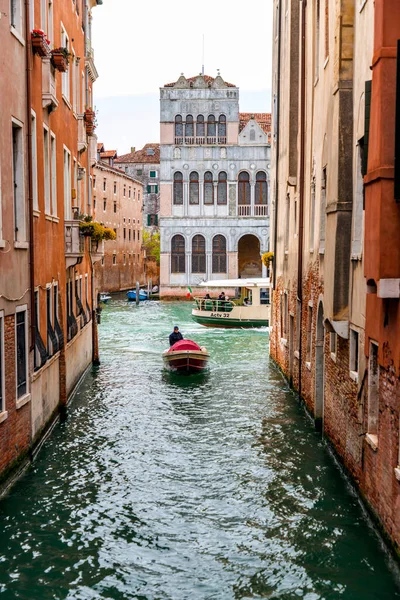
{"points": [[15, 430]]}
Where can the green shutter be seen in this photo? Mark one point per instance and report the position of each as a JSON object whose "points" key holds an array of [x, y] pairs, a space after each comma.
{"points": [[149, 189], [155, 219], [156, 189], [148, 220]]}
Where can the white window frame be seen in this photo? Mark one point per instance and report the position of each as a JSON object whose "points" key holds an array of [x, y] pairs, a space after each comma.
{"points": [[21, 400], [65, 77], [34, 163], [53, 166], [153, 176], [46, 170], [19, 196], [333, 341], [16, 17], [354, 354], [67, 184], [373, 397]]}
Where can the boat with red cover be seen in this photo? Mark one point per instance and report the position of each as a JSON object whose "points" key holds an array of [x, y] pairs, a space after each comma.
{"points": [[186, 357]]}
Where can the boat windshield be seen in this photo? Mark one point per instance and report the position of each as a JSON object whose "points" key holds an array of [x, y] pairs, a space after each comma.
{"points": [[214, 305]]}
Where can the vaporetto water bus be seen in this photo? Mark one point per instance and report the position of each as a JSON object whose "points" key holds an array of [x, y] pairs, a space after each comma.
{"points": [[250, 307]]}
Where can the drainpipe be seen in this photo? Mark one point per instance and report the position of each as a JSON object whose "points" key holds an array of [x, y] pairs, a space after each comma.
{"points": [[29, 169], [277, 117], [302, 176]]}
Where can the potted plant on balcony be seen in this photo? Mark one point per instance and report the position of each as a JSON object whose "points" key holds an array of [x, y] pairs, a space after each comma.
{"points": [[40, 43], [90, 120], [60, 59], [267, 258], [96, 231]]}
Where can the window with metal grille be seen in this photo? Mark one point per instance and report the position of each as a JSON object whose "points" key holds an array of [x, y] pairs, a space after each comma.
{"points": [[198, 254], [178, 254], [222, 195], [194, 188], [211, 126], [189, 128], [208, 188], [178, 188], [244, 188], [178, 126], [200, 127], [22, 386], [219, 254], [261, 188]]}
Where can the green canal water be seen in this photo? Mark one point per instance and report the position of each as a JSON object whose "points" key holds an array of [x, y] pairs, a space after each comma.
{"points": [[160, 487]]}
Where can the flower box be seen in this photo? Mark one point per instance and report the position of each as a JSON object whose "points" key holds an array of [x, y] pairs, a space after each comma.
{"points": [[40, 44], [90, 121], [60, 59]]}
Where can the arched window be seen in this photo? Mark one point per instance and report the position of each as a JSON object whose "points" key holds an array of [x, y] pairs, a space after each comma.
{"points": [[189, 129], [222, 127], [200, 128], [244, 188], [219, 254], [208, 188], [261, 188], [198, 254], [194, 188], [178, 188], [222, 195], [211, 126], [178, 126], [178, 254]]}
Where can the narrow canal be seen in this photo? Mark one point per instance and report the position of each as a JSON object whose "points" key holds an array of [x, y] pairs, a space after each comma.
{"points": [[186, 489]]}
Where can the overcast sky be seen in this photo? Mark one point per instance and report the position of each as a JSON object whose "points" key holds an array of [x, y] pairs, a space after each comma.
{"points": [[140, 46]]}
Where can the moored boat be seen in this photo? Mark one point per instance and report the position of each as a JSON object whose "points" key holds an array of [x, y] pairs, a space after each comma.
{"points": [[105, 297], [132, 295], [250, 309], [186, 357]]}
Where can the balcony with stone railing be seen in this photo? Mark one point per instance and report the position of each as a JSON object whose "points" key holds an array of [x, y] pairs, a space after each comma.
{"points": [[256, 210], [199, 140], [49, 97], [97, 251], [74, 243]]}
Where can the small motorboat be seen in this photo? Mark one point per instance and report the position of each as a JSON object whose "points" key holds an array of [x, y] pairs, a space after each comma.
{"points": [[105, 297], [186, 357], [132, 295]]}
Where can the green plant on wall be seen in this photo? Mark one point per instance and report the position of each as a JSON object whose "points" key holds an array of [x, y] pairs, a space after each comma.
{"points": [[267, 258], [151, 243]]}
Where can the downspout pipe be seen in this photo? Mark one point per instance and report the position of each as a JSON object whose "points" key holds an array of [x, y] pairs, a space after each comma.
{"points": [[277, 117], [301, 178], [28, 57]]}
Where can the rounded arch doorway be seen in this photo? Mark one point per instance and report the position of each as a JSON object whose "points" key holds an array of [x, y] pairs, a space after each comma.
{"points": [[249, 257]]}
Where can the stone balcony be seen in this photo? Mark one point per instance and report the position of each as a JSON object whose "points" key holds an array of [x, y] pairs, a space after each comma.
{"points": [[49, 98], [96, 251], [74, 243], [200, 140], [256, 210], [82, 139]]}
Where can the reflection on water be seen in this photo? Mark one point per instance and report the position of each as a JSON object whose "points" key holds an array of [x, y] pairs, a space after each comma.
{"points": [[213, 486]]}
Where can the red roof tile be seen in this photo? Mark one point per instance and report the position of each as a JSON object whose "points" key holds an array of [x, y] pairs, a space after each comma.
{"points": [[263, 119], [141, 156], [207, 78], [108, 154]]}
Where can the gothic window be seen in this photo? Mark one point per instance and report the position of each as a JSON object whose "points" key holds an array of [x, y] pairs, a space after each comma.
{"points": [[200, 127], [198, 254], [194, 188], [219, 254], [178, 188], [222, 196], [261, 188], [222, 126], [211, 126], [208, 188], [178, 254], [178, 126], [244, 188], [189, 129]]}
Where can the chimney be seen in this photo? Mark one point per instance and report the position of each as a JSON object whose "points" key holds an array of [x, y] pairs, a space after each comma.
{"points": [[133, 149]]}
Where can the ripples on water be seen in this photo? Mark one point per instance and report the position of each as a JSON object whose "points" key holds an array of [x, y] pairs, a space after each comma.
{"points": [[206, 487]]}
